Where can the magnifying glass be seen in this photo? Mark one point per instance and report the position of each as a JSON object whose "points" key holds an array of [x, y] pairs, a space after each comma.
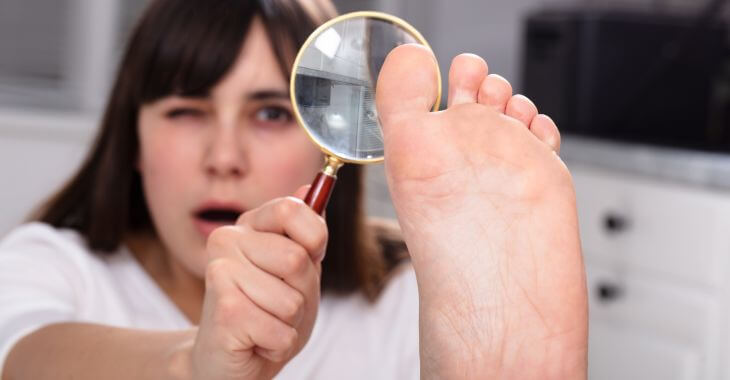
{"points": [[333, 91]]}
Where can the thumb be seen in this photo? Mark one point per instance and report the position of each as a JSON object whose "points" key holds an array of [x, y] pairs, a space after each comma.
{"points": [[301, 193], [408, 83]]}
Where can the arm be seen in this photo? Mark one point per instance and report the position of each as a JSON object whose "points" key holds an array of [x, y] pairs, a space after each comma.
{"points": [[100, 352], [262, 295]]}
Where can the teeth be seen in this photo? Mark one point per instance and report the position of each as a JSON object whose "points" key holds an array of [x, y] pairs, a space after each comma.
{"points": [[219, 215]]}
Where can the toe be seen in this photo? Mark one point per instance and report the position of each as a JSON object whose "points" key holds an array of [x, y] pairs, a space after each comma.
{"points": [[465, 76], [522, 109], [544, 128], [412, 64], [495, 91]]}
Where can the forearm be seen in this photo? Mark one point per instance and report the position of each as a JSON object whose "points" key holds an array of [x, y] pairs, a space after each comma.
{"points": [[88, 351]]}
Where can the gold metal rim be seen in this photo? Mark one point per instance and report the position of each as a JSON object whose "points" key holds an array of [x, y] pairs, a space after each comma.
{"points": [[371, 14]]}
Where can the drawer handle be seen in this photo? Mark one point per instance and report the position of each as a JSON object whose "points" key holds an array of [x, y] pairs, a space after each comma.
{"points": [[615, 223], [608, 292]]}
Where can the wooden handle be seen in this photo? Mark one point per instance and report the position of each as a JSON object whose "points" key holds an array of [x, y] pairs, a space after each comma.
{"points": [[319, 193]]}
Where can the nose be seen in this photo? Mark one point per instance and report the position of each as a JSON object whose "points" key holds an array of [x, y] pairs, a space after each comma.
{"points": [[225, 156]]}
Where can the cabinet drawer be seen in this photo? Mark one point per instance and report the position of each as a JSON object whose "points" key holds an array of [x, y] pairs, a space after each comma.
{"points": [[615, 353], [623, 298], [635, 321], [660, 228]]}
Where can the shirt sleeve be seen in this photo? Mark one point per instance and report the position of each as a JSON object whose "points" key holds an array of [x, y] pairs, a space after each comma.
{"points": [[37, 284]]}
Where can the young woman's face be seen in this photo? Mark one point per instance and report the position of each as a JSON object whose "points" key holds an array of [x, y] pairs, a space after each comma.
{"points": [[203, 161]]}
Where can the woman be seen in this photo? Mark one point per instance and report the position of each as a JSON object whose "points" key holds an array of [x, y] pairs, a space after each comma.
{"points": [[140, 267]]}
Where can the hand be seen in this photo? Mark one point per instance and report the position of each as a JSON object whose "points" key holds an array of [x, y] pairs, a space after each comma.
{"points": [[262, 291], [488, 213]]}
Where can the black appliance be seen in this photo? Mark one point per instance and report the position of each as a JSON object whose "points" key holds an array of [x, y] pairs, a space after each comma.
{"points": [[632, 76]]}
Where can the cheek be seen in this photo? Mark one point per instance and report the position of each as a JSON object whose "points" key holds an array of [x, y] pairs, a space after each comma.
{"points": [[291, 163], [166, 164]]}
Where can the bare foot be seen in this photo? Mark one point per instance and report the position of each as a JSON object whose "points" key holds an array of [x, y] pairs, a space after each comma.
{"points": [[488, 212]]}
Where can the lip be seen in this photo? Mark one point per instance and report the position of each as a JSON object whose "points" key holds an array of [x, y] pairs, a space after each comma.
{"points": [[205, 227]]}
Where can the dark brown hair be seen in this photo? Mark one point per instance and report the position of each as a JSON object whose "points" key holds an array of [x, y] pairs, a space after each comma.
{"points": [[185, 48]]}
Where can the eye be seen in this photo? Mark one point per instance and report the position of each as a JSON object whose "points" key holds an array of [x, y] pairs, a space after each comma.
{"points": [[184, 112], [273, 115]]}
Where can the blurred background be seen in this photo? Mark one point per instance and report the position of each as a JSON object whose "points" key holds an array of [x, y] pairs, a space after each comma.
{"points": [[639, 88]]}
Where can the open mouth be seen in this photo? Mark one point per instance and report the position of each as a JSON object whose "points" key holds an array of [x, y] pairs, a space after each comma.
{"points": [[220, 216]]}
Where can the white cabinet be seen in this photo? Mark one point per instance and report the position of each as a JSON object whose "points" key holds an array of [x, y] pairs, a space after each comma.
{"points": [[619, 354], [657, 262]]}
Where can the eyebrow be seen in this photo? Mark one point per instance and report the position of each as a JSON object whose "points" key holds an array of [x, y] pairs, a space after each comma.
{"points": [[268, 94]]}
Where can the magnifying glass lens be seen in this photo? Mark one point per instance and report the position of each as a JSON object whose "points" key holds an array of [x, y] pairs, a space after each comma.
{"points": [[333, 86]]}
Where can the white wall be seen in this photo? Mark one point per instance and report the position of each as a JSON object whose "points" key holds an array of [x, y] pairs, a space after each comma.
{"points": [[38, 152]]}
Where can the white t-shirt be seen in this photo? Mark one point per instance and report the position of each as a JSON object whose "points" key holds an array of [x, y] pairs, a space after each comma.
{"points": [[48, 276]]}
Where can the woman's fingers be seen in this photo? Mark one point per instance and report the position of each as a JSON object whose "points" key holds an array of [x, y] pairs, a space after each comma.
{"points": [[290, 217], [276, 272], [237, 320], [268, 292], [282, 258], [262, 289]]}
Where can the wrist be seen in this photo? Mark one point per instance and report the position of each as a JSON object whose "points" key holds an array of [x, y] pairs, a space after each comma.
{"points": [[178, 359]]}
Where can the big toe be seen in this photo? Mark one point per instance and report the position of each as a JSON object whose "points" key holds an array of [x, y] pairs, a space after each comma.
{"points": [[408, 83]]}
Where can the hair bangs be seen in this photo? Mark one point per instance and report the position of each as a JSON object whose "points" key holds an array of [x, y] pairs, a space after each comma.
{"points": [[289, 23], [195, 45]]}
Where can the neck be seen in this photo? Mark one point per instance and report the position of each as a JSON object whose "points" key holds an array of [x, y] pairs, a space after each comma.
{"points": [[185, 289]]}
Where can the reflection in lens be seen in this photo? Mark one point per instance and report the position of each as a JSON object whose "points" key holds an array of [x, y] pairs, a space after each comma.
{"points": [[335, 84]]}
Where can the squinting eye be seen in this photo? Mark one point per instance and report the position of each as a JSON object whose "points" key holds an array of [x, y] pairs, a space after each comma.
{"points": [[177, 113], [273, 114]]}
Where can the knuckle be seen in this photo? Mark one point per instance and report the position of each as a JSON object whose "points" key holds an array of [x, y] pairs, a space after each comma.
{"points": [[220, 237], [220, 234], [293, 306], [321, 237], [215, 271], [242, 219], [278, 356], [295, 260], [285, 208], [226, 309], [290, 337], [322, 229]]}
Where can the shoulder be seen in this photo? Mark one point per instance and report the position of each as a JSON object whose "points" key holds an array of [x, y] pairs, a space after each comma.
{"points": [[40, 234], [39, 238], [41, 246]]}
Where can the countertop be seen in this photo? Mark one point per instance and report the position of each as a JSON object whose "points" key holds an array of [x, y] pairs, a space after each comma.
{"points": [[703, 169]]}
